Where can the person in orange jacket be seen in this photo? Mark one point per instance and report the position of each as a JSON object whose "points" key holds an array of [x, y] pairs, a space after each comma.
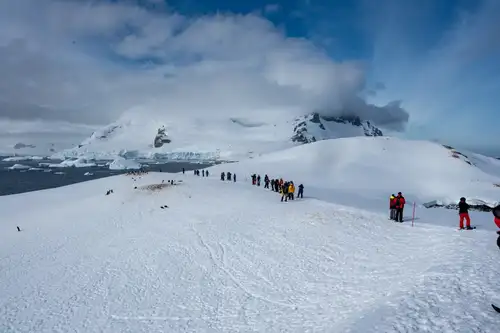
{"points": [[400, 205], [392, 207]]}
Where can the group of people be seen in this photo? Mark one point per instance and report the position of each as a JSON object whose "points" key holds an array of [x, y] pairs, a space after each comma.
{"points": [[397, 205], [223, 175], [228, 176], [203, 173], [285, 188], [463, 212]]}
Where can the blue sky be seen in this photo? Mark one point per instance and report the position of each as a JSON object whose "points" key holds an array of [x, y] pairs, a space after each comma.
{"points": [[398, 34], [420, 68]]}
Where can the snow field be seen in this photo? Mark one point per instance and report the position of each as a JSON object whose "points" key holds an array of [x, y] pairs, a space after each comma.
{"points": [[230, 257], [363, 169]]}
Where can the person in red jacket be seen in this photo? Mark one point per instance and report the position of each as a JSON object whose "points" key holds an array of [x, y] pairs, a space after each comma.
{"points": [[496, 213], [400, 205]]}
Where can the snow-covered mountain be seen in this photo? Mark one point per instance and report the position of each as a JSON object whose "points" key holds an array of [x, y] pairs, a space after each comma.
{"points": [[315, 127], [206, 255], [196, 139]]}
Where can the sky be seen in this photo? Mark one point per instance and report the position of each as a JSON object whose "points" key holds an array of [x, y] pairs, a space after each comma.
{"points": [[420, 69]]}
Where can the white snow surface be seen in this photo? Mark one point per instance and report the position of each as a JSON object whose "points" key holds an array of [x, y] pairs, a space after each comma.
{"points": [[230, 257], [123, 164]]}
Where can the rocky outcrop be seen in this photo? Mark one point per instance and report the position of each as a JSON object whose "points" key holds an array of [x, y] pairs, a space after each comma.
{"points": [[480, 207], [161, 138], [315, 127], [458, 155]]}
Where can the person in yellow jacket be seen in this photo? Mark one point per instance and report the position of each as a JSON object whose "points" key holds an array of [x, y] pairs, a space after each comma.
{"points": [[392, 207], [291, 191]]}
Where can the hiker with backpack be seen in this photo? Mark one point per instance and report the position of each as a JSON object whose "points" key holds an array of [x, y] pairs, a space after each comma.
{"points": [[284, 192], [400, 205]]}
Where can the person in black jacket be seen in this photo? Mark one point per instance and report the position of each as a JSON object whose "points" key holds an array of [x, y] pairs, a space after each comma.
{"points": [[463, 212], [284, 194], [301, 191]]}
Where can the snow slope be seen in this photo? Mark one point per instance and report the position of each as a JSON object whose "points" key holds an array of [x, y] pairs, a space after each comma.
{"points": [[208, 139], [366, 168], [230, 257]]}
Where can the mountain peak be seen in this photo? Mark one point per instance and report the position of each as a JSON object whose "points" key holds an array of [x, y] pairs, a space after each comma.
{"points": [[314, 127]]}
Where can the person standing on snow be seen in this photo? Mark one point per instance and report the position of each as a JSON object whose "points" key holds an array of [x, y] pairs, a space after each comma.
{"points": [[254, 179], [400, 205], [266, 181], [258, 180], [203, 173], [392, 207], [463, 212], [300, 194], [291, 191], [234, 178], [272, 185], [183, 171], [229, 176], [496, 213], [222, 175], [284, 192]]}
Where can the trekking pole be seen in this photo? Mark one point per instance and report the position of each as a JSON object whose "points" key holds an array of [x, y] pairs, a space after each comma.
{"points": [[413, 217]]}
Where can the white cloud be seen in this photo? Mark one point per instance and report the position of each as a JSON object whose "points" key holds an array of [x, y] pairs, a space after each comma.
{"points": [[88, 62], [447, 78]]}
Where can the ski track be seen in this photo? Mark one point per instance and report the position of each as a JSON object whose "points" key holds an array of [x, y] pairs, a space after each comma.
{"points": [[212, 263]]}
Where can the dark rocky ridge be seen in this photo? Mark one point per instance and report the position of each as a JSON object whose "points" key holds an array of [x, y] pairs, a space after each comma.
{"points": [[301, 134]]}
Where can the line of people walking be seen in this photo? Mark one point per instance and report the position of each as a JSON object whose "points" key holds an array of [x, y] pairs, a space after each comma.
{"points": [[285, 188]]}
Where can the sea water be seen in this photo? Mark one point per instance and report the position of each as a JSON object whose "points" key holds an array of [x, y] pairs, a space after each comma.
{"points": [[43, 177]]}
